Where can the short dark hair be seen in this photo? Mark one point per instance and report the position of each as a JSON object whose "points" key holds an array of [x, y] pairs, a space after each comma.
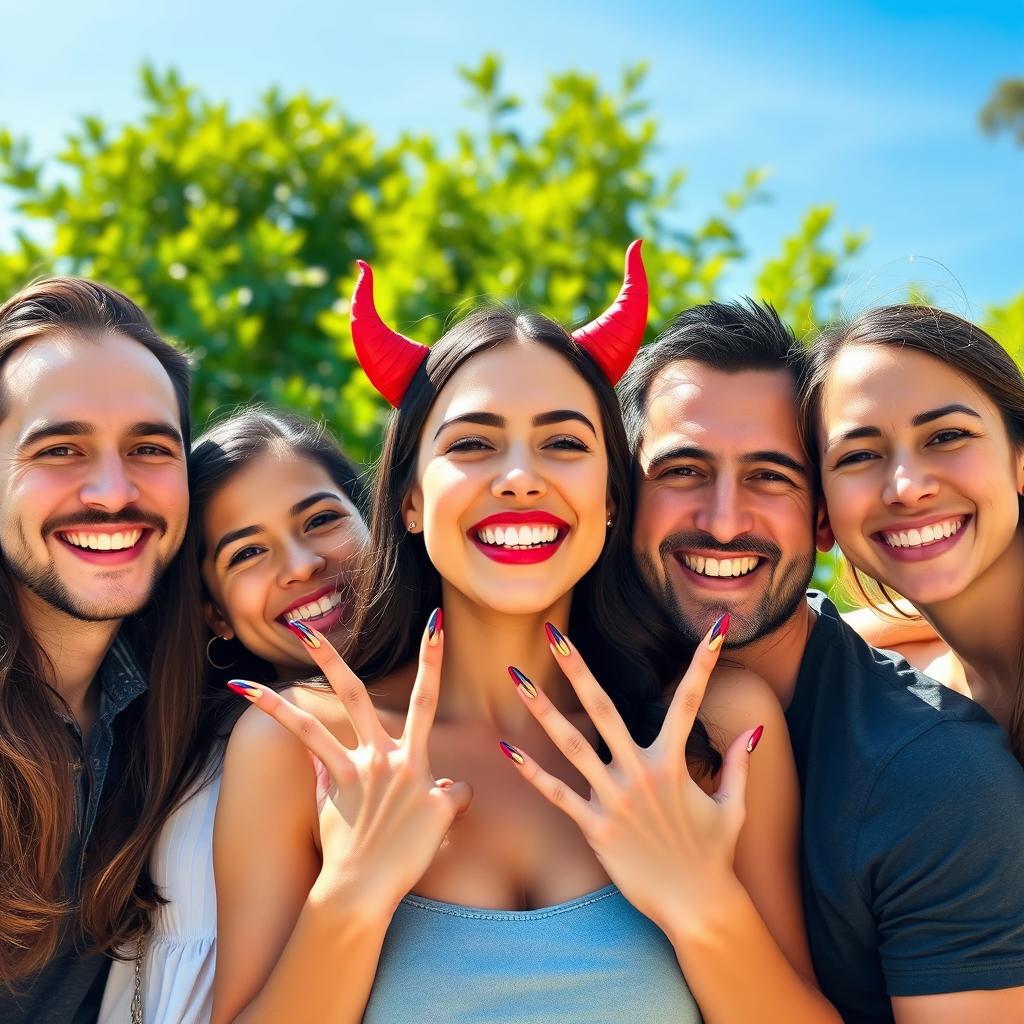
{"points": [[728, 336]]}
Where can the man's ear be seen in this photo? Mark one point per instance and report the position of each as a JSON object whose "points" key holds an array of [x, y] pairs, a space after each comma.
{"points": [[824, 538], [412, 510], [216, 621]]}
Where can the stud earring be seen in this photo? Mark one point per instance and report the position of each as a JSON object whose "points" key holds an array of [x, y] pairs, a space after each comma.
{"points": [[412, 525], [610, 522]]}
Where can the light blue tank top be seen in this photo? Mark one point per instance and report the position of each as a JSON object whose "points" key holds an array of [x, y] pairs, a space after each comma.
{"points": [[595, 959]]}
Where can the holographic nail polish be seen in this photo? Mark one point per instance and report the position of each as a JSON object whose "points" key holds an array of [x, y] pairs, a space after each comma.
{"points": [[556, 639], [522, 681]]}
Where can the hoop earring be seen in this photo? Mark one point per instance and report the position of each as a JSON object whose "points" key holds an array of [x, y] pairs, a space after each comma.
{"points": [[209, 644]]}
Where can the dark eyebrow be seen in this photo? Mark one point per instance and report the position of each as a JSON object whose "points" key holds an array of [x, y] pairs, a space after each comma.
{"points": [[65, 428], [693, 452], [79, 428], [245, 531], [779, 458], [560, 416], [544, 419], [937, 414], [301, 506], [917, 421], [156, 428], [484, 419], [852, 435], [684, 452]]}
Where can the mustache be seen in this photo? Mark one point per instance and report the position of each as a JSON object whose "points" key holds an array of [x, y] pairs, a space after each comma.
{"points": [[95, 517], [705, 542]]}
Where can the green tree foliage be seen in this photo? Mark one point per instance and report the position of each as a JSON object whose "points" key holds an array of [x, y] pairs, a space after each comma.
{"points": [[1004, 111], [238, 233]]}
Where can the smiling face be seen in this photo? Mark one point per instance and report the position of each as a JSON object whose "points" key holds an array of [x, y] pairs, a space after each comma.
{"points": [[511, 491], [920, 477], [725, 517], [280, 537], [95, 498]]}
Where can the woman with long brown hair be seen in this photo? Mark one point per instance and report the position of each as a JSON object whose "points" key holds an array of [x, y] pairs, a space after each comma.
{"points": [[917, 419], [440, 859], [276, 508]]}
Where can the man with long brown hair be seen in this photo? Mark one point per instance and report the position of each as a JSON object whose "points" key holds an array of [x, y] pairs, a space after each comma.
{"points": [[99, 676]]}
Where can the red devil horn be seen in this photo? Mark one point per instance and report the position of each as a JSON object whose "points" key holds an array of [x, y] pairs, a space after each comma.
{"points": [[388, 358], [614, 337]]}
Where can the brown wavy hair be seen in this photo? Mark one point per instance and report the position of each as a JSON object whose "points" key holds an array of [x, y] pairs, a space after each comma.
{"points": [[966, 349], [37, 751], [623, 635]]}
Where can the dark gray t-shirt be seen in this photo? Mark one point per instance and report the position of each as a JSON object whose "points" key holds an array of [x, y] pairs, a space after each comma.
{"points": [[913, 829]]}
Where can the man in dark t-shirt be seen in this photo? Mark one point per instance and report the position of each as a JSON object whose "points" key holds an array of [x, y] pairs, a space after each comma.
{"points": [[913, 806]]}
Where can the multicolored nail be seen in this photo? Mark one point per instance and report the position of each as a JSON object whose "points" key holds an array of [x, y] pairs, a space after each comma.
{"points": [[248, 690], [305, 634], [556, 639], [522, 681], [434, 626], [718, 631], [755, 738], [511, 753]]}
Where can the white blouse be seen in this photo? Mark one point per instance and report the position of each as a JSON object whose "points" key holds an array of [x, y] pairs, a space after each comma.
{"points": [[177, 974]]}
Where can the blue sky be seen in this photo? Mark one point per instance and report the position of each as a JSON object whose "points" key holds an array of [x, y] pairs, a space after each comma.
{"points": [[871, 106]]}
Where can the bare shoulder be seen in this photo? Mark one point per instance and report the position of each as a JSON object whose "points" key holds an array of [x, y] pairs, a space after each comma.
{"points": [[891, 627], [738, 699], [262, 748]]}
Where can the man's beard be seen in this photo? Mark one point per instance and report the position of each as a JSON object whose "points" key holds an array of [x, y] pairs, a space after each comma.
{"points": [[45, 582], [783, 593]]}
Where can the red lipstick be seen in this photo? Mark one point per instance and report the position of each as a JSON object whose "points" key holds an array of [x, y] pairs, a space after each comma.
{"points": [[525, 555]]}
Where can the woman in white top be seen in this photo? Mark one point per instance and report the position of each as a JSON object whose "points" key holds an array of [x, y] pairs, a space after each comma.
{"points": [[276, 523]]}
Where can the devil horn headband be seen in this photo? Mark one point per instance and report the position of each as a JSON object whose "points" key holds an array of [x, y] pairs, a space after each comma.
{"points": [[391, 360]]}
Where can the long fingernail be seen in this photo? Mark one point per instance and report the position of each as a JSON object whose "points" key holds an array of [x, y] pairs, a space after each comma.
{"points": [[511, 753], [556, 639], [718, 632], [755, 738], [305, 634], [434, 625], [244, 689], [521, 680]]}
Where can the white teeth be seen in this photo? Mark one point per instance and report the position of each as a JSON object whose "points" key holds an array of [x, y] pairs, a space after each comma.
{"points": [[720, 566], [518, 537], [314, 609], [104, 541], [926, 535]]}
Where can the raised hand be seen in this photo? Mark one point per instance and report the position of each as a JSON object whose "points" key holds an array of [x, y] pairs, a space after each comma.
{"points": [[383, 815], [646, 818]]}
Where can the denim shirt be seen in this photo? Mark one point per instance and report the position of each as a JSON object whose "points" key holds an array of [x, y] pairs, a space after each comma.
{"points": [[69, 989]]}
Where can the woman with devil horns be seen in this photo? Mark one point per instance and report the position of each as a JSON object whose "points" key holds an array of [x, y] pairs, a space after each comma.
{"points": [[485, 830]]}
